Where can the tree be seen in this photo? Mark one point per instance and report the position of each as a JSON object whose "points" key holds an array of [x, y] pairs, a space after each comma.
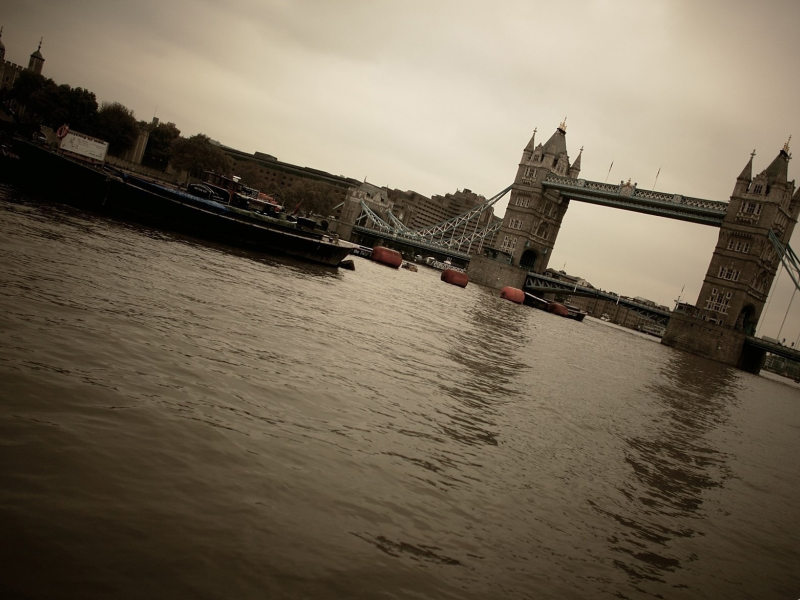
{"points": [[25, 85], [312, 197], [57, 105], [51, 104], [117, 125], [197, 154], [158, 152]]}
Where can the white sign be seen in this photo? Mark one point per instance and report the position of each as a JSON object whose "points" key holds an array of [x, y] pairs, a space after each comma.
{"points": [[83, 145]]}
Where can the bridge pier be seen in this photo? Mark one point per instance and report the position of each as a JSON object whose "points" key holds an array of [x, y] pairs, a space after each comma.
{"points": [[752, 359], [716, 342], [495, 274]]}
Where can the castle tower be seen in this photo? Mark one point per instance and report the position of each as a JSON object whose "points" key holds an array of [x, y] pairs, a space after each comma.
{"points": [[744, 263], [533, 217], [2, 47], [37, 61], [742, 267]]}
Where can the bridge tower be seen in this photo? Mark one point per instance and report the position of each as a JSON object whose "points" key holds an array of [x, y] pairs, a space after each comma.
{"points": [[742, 267], [533, 217]]}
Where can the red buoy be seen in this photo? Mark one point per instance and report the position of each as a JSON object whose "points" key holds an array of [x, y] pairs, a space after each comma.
{"points": [[387, 256], [558, 309], [513, 294], [458, 278]]}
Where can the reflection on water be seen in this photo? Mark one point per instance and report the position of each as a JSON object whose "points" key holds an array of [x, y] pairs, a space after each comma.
{"points": [[674, 464], [181, 420]]}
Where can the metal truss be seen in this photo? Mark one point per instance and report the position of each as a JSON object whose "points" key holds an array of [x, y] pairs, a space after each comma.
{"points": [[454, 223], [436, 235]]}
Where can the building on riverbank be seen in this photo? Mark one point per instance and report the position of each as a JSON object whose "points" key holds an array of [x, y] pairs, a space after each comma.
{"points": [[9, 71]]}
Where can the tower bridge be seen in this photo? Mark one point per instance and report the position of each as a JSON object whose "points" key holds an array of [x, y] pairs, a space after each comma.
{"points": [[755, 227]]}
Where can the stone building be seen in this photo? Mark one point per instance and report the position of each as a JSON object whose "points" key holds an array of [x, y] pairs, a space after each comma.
{"points": [[533, 217], [9, 71], [742, 267], [278, 176]]}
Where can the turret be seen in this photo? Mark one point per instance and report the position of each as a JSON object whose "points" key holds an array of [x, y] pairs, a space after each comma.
{"points": [[528, 152], [575, 168], [37, 61], [745, 177], [2, 47]]}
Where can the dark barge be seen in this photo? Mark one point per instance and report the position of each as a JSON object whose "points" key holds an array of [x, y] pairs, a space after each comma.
{"points": [[117, 194]]}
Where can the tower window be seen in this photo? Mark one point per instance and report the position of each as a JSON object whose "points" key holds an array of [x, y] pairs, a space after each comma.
{"points": [[718, 301], [729, 273], [738, 245], [508, 245], [752, 208], [757, 189], [523, 201]]}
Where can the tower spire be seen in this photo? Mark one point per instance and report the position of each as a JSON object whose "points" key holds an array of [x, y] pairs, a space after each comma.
{"points": [[747, 172], [530, 146]]}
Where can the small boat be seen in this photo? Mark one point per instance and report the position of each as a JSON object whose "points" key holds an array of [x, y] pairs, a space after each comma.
{"points": [[567, 311], [443, 265], [575, 312], [651, 328], [363, 251]]}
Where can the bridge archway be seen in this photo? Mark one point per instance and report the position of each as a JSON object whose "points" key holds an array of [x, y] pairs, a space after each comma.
{"points": [[528, 259], [747, 320]]}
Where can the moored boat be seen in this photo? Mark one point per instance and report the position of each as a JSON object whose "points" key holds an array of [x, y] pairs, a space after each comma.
{"points": [[651, 328], [124, 196], [567, 311]]}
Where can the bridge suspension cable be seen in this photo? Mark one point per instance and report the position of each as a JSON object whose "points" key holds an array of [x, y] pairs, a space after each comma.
{"points": [[791, 264], [789, 259]]}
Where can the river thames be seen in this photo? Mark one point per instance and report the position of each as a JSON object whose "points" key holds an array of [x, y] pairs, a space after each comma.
{"points": [[181, 420]]}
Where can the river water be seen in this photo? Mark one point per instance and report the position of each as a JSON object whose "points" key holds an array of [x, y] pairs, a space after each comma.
{"points": [[180, 420]]}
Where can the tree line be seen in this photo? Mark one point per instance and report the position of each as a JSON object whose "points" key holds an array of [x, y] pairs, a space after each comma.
{"points": [[53, 105]]}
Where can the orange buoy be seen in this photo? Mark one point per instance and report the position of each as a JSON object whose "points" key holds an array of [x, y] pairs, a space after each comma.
{"points": [[558, 309], [513, 294], [387, 256], [458, 278]]}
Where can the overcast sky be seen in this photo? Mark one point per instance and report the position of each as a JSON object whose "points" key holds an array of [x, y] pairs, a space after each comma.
{"points": [[436, 96]]}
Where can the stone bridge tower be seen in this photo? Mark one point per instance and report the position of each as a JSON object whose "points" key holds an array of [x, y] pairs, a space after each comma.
{"points": [[742, 267], [533, 217]]}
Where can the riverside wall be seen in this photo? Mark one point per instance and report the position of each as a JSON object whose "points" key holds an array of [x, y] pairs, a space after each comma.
{"points": [[494, 274]]}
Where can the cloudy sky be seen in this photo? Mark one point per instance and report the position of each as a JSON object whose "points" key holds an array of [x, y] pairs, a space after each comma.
{"points": [[440, 95]]}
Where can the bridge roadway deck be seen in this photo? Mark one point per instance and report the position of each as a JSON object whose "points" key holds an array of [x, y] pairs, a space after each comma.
{"points": [[628, 197], [774, 348], [534, 282]]}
